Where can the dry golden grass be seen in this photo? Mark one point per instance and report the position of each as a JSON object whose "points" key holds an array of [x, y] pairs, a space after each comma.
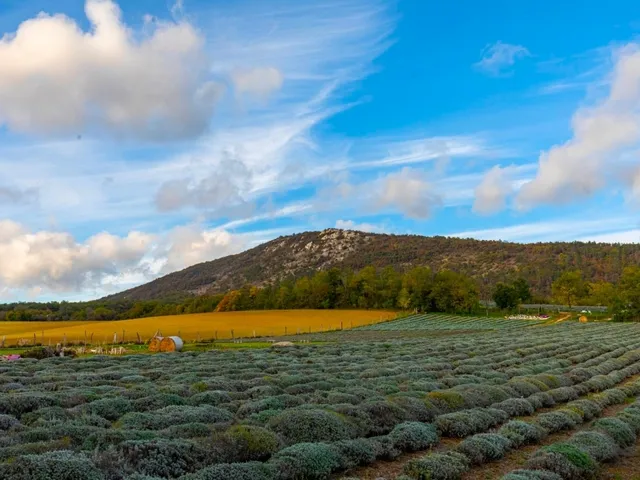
{"points": [[192, 327]]}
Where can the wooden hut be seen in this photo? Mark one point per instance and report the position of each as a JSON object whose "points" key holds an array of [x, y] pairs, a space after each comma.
{"points": [[171, 344], [154, 344]]}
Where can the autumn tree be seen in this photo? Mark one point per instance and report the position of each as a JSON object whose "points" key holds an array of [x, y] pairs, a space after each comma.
{"points": [[454, 292], [570, 287]]}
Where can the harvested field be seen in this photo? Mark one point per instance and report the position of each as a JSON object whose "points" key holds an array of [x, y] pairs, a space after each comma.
{"points": [[195, 326]]}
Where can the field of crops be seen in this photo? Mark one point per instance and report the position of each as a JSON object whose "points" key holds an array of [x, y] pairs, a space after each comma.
{"points": [[196, 326], [439, 321], [319, 411]]}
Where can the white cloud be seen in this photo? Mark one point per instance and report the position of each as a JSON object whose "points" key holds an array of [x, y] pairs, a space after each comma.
{"points": [[188, 245], [622, 236], [258, 81], [54, 261], [406, 191], [498, 57], [581, 166], [223, 188], [56, 78], [57, 262], [409, 192], [491, 194], [362, 227], [563, 229]]}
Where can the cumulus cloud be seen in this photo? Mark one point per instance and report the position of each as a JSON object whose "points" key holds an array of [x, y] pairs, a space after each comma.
{"points": [[490, 195], [17, 196], [225, 188], [257, 81], [581, 166], [407, 191], [56, 78], [57, 262], [188, 245], [362, 227], [498, 57]]}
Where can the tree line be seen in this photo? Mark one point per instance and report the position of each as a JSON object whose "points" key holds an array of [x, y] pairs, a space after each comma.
{"points": [[621, 298], [369, 288], [418, 288]]}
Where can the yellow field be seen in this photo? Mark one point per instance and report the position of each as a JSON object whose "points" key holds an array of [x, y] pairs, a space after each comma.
{"points": [[191, 327]]}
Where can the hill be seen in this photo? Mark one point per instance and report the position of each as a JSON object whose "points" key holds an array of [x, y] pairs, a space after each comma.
{"points": [[487, 261]]}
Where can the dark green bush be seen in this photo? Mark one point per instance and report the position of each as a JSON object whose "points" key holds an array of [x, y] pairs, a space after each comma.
{"points": [[411, 436], [60, 465], [299, 426], [233, 471], [244, 443], [437, 466], [162, 457], [309, 461]]}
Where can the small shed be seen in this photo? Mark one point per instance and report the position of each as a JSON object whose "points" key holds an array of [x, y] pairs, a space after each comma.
{"points": [[154, 344], [171, 344]]}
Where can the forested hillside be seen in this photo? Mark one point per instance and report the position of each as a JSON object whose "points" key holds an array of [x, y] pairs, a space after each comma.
{"points": [[489, 262]]}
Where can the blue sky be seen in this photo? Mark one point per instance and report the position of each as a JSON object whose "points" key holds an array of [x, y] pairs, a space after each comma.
{"points": [[138, 138]]}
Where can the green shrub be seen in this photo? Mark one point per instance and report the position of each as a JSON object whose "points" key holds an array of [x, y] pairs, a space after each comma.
{"points": [[109, 408], [484, 447], [556, 421], [300, 426], [620, 431], [600, 447], [60, 465], [522, 433], [354, 453], [211, 397], [8, 422], [243, 443], [162, 457], [309, 461], [566, 460], [437, 466], [515, 407], [233, 471], [157, 401], [446, 400], [412, 436], [382, 416], [532, 475]]}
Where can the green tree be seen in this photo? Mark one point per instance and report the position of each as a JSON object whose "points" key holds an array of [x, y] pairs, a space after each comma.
{"points": [[418, 282], [522, 290], [505, 296], [570, 287], [628, 305], [601, 294], [454, 292]]}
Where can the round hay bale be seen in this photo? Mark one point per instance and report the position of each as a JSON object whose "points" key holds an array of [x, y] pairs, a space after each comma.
{"points": [[283, 344], [154, 344], [171, 344]]}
